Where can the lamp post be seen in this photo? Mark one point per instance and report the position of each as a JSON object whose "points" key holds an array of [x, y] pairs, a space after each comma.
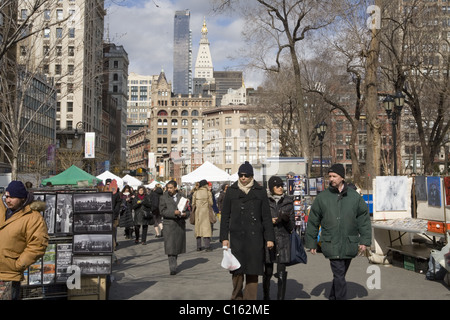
{"points": [[78, 126], [393, 106], [321, 128]]}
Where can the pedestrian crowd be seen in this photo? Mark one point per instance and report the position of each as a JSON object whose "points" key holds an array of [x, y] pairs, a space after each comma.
{"points": [[255, 222]]}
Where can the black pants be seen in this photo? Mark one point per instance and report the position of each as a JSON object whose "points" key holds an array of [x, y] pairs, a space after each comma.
{"points": [[144, 232], [339, 268]]}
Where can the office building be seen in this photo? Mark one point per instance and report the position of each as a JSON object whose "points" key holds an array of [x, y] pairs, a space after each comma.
{"points": [[182, 53]]}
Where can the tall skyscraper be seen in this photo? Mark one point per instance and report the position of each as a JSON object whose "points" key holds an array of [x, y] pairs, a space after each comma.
{"points": [[182, 53]]}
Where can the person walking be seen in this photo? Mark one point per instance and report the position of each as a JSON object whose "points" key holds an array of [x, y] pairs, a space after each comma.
{"points": [[141, 206], [221, 197], [343, 216], [283, 219], [202, 203], [126, 211], [23, 237], [154, 196], [174, 225], [246, 227]]}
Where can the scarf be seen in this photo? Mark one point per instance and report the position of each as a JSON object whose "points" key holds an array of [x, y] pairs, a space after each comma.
{"points": [[246, 188], [141, 196], [277, 197]]}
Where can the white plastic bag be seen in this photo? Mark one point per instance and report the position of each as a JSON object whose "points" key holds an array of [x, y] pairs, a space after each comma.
{"points": [[229, 261]]}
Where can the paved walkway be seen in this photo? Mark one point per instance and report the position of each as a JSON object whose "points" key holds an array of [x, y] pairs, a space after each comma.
{"points": [[142, 273]]}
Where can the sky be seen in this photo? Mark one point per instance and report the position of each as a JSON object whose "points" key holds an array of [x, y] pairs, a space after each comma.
{"points": [[145, 29]]}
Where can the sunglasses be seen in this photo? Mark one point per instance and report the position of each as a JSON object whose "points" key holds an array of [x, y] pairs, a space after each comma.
{"points": [[244, 175], [279, 186]]}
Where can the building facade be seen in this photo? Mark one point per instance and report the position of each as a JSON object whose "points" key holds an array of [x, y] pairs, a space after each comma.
{"points": [[70, 50], [139, 101]]}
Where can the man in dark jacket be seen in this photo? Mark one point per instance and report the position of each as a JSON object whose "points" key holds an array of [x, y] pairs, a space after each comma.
{"points": [[346, 227], [174, 223], [246, 225]]}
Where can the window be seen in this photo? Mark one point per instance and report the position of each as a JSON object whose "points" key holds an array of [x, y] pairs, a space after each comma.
{"points": [[59, 14], [59, 51], [46, 33], [69, 106], [71, 33], [46, 14], [59, 33], [46, 50], [23, 14], [116, 64], [71, 51], [57, 69], [70, 69]]}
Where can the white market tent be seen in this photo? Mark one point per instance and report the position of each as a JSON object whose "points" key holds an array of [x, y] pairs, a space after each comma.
{"points": [[131, 181], [108, 175], [153, 184], [207, 171]]}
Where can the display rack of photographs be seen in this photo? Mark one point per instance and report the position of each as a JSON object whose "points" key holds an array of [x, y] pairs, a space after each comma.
{"points": [[93, 232], [85, 221]]}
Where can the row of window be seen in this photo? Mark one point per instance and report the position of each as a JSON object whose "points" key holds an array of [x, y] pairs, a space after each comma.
{"points": [[59, 33]]}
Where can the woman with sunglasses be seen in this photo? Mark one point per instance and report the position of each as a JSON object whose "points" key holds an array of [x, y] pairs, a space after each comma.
{"points": [[283, 219], [246, 227]]}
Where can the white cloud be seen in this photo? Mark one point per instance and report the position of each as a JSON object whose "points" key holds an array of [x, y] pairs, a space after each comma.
{"points": [[145, 29]]}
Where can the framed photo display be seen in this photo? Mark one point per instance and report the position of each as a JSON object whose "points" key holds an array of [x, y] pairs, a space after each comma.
{"points": [[92, 222], [93, 265], [93, 202], [64, 213], [92, 243]]}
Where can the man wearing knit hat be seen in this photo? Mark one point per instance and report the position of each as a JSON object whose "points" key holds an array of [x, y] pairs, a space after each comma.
{"points": [[246, 227], [23, 232], [346, 228]]}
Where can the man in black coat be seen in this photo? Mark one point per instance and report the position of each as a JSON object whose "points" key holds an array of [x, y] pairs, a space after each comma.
{"points": [[246, 227]]}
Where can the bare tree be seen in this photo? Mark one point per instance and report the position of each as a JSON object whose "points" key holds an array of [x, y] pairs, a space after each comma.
{"points": [[274, 32], [26, 61], [417, 62]]}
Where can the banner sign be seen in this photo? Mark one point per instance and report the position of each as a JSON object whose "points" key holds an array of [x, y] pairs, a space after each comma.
{"points": [[89, 145]]}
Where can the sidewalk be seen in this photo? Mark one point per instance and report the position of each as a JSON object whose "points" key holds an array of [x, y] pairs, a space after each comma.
{"points": [[142, 273]]}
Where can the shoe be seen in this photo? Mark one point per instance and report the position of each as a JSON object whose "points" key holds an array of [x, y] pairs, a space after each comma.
{"points": [[199, 249], [172, 273], [143, 243], [136, 241]]}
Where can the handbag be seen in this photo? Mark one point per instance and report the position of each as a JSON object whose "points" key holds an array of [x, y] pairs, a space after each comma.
{"points": [[212, 216], [148, 215], [229, 261], [298, 253]]}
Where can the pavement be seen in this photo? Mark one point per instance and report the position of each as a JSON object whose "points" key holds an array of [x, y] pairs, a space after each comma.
{"points": [[141, 272]]}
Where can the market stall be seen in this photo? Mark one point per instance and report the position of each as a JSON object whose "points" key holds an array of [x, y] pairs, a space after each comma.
{"points": [[80, 226], [408, 218]]}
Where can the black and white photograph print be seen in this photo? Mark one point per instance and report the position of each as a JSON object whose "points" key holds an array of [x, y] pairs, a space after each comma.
{"points": [[92, 243], [92, 222], [63, 261], [93, 265], [391, 193], [92, 202], [64, 213], [50, 212]]}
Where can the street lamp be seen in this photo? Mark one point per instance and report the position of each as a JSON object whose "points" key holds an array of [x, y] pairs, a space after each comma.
{"points": [[393, 106], [78, 126], [321, 128]]}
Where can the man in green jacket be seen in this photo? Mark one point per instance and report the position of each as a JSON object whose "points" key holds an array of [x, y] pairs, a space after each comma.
{"points": [[346, 227]]}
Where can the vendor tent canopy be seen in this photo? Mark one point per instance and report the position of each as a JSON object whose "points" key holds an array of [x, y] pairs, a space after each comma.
{"points": [[108, 175], [207, 171], [131, 181], [72, 176], [152, 184]]}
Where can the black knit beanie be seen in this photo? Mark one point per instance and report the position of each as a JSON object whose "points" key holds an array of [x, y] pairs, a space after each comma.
{"points": [[338, 169], [246, 168]]}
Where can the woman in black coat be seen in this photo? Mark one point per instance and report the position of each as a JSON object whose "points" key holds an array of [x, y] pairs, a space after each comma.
{"points": [[283, 219], [246, 227], [141, 205]]}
